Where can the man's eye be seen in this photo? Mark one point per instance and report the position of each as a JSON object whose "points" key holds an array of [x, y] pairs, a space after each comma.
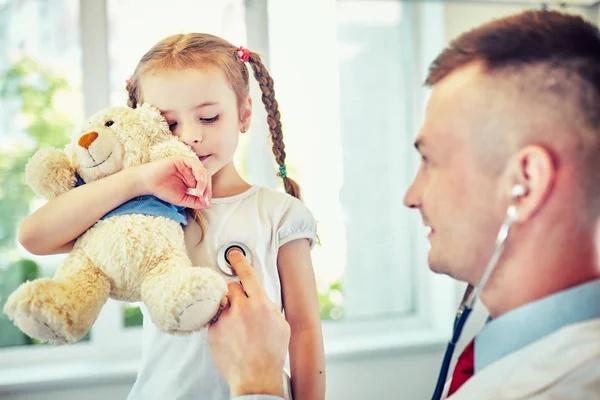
{"points": [[172, 125], [210, 120]]}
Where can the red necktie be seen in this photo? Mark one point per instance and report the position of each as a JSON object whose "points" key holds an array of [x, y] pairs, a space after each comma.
{"points": [[465, 367]]}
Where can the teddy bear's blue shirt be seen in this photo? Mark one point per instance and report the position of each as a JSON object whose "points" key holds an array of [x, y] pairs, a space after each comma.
{"points": [[147, 205]]}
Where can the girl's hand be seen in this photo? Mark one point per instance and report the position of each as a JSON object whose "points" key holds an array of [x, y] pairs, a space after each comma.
{"points": [[171, 179]]}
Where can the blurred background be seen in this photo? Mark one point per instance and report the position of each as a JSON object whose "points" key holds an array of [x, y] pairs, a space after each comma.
{"points": [[348, 78]]}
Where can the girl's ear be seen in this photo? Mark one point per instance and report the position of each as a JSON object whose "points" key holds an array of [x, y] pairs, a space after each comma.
{"points": [[245, 114]]}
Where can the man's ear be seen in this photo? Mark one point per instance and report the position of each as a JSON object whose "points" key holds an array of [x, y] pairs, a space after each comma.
{"points": [[534, 168]]}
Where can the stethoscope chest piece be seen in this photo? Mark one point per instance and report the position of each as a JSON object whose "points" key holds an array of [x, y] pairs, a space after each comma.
{"points": [[223, 261]]}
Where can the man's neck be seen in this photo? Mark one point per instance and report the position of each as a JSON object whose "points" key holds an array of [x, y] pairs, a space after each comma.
{"points": [[523, 279]]}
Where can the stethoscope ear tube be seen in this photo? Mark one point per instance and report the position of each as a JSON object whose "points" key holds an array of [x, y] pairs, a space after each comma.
{"points": [[472, 293], [459, 323]]}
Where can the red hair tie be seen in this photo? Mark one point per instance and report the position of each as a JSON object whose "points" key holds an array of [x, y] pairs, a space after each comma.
{"points": [[129, 80], [243, 54]]}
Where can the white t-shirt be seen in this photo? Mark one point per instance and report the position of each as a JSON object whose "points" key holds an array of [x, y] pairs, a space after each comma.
{"points": [[181, 367]]}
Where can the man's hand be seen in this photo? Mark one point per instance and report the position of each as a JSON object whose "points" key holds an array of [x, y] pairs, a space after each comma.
{"points": [[250, 339]]}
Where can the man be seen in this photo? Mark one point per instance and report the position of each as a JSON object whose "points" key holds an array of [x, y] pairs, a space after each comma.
{"points": [[515, 101]]}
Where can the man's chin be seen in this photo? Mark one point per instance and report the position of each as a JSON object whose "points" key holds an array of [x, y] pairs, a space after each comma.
{"points": [[437, 266], [438, 271], [445, 269]]}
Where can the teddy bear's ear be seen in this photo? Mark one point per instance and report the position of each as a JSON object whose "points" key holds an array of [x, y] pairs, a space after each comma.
{"points": [[150, 109], [154, 123]]}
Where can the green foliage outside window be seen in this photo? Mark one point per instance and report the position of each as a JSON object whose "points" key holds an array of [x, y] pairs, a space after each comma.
{"points": [[28, 89], [33, 88]]}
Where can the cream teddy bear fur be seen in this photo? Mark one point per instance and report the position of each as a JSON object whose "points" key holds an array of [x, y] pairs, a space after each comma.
{"points": [[132, 257]]}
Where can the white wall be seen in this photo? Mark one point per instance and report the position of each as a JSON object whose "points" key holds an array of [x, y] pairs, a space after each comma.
{"points": [[406, 374], [464, 15]]}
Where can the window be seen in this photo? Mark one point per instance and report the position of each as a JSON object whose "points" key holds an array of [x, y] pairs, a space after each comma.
{"points": [[348, 97], [40, 100], [370, 42], [345, 98]]}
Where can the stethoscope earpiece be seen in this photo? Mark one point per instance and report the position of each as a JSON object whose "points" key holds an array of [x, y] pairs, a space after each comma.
{"points": [[518, 190], [223, 260]]}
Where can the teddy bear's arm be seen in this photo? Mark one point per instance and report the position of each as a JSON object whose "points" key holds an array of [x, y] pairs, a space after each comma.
{"points": [[170, 147], [50, 173]]}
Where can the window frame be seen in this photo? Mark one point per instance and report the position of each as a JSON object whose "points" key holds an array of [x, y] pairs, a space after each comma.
{"points": [[113, 345]]}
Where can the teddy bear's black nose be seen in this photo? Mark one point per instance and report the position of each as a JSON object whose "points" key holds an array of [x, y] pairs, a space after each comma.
{"points": [[86, 140]]}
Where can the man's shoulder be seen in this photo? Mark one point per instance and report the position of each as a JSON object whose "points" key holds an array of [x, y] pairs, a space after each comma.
{"points": [[562, 362], [582, 382]]}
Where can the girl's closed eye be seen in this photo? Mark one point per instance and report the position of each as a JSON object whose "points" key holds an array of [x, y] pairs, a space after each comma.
{"points": [[210, 120], [172, 125]]}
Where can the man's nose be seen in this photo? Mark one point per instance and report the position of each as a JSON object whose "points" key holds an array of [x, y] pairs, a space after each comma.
{"points": [[412, 198]]}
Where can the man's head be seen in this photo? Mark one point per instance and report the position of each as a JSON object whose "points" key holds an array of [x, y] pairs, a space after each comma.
{"points": [[514, 101]]}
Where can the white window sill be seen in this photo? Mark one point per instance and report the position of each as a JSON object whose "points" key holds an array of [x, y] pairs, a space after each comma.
{"points": [[390, 344], [65, 374]]}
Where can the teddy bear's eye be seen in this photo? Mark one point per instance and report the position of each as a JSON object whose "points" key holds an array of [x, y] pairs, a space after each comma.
{"points": [[109, 123]]}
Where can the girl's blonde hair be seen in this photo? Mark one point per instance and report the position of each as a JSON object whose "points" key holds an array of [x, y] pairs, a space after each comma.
{"points": [[197, 49]]}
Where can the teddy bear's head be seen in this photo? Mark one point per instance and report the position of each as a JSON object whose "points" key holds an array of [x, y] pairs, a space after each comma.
{"points": [[116, 138]]}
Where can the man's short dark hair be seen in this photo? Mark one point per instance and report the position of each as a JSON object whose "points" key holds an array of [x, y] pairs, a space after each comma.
{"points": [[560, 45]]}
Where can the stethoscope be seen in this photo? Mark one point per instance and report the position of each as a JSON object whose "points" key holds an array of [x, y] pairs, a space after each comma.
{"points": [[223, 257], [466, 305], [472, 293]]}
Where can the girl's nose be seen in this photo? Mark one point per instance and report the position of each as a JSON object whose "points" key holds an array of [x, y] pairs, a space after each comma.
{"points": [[192, 136]]}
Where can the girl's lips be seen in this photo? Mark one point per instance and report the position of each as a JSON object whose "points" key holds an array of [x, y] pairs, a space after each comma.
{"points": [[203, 158]]}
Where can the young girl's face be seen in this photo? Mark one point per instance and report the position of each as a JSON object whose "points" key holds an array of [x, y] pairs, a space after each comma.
{"points": [[201, 109]]}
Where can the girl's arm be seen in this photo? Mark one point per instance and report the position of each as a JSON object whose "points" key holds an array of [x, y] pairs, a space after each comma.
{"points": [[307, 357], [54, 227]]}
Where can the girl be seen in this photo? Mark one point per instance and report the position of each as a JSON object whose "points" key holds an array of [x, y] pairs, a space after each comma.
{"points": [[201, 85]]}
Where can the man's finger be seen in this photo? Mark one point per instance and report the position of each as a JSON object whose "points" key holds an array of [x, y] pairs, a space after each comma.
{"points": [[245, 273], [236, 293], [277, 310]]}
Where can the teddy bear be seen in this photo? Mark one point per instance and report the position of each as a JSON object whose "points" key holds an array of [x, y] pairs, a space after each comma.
{"points": [[134, 253]]}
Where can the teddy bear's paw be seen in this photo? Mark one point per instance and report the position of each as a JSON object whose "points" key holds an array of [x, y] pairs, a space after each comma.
{"points": [[184, 300], [224, 301], [204, 302], [34, 326], [50, 173], [37, 310], [198, 314], [224, 304]]}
